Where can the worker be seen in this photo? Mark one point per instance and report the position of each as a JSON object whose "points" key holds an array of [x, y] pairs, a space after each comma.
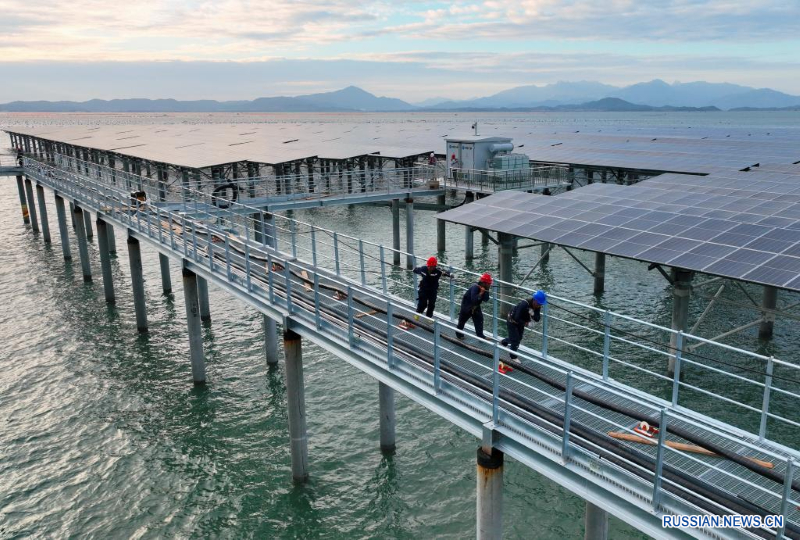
{"points": [[471, 306], [432, 159], [521, 316], [429, 285]]}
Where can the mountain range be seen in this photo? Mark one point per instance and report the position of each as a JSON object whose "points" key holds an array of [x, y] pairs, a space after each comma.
{"points": [[561, 96]]}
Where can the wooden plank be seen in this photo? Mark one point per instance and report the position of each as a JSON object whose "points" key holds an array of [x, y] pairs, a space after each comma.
{"points": [[630, 437]]}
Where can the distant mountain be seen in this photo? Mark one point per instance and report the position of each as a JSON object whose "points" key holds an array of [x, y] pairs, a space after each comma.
{"points": [[601, 105], [347, 99], [656, 93], [431, 102]]}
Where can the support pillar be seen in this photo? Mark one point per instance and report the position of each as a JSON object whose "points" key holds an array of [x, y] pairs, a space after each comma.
{"points": [[388, 423], [83, 249], [504, 257], [72, 215], [23, 202], [112, 240], [43, 214], [196, 354], [469, 238], [440, 227], [296, 403], [599, 273], [396, 230], [166, 280], [137, 279], [105, 260], [490, 495], [681, 291], [545, 252], [87, 219], [410, 233], [769, 301], [31, 205], [62, 227], [595, 522], [484, 237], [270, 340], [202, 296]]}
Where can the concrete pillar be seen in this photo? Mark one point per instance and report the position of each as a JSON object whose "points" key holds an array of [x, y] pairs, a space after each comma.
{"points": [[196, 354], [105, 260], [23, 202], [681, 292], [469, 238], [387, 424], [137, 279], [440, 227], [112, 240], [296, 403], [599, 273], [87, 219], [505, 250], [270, 340], [595, 523], [166, 280], [72, 215], [83, 249], [31, 205], [490, 495], [396, 230], [43, 214], [62, 228], [769, 301], [410, 233], [202, 296]]}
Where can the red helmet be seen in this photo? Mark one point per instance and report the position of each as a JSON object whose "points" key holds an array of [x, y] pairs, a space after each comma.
{"points": [[486, 278], [432, 261]]}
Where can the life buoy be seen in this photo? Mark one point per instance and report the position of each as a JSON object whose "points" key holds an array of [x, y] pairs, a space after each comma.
{"points": [[224, 202]]}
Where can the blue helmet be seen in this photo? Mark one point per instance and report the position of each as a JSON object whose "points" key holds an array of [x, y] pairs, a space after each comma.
{"points": [[540, 297]]}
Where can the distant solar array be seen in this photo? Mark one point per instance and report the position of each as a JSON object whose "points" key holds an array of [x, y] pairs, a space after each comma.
{"points": [[195, 144], [745, 225]]}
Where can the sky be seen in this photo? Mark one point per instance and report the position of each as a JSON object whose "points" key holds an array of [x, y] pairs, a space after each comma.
{"points": [[410, 49]]}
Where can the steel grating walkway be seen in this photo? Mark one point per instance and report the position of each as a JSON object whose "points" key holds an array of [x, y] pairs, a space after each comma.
{"points": [[522, 412]]}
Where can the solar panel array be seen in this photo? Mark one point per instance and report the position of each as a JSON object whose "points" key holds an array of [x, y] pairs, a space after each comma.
{"points": [[200, 141], [743, 225]]}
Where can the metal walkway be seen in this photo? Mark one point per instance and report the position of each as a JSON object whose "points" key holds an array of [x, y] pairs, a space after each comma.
{"points": [[341, 294]]}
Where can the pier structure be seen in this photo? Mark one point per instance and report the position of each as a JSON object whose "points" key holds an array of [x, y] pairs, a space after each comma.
{"points": [[573, 424]]}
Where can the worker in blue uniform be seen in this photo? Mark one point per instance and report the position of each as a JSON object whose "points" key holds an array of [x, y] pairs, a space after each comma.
{"points": [[471, 306], [521, 316], [429, 285]]}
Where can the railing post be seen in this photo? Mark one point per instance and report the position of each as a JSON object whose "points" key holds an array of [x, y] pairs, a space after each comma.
{"points": [[787, 491], [293, 230], [567, 416], [606, 342], [160, 226], [662, 436], [314, 248], [452, 297], [270, 284], [228, 257], [389, 334], [288, 275], [495, 312], [437, 377], [263, 229], [351, 337], [676, 381], [210, 245], [361, 261], [317, 314], [496, 384], [762, 429], [545, 320], [247, 257], [171, 232], [383, 271], [336, 253]]}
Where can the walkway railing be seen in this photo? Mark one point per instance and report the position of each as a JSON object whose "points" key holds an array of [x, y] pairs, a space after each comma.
{"points": [[491, 180], [545, 406]]}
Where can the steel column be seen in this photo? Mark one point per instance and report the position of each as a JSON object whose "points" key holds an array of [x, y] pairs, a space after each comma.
{"points": [[112, 240], [105, 260], [87, 220], [599, 273], [270, 340], [295, 401], [31, 205], [469, 235], [83, 249], [166, 280], [769, 302], [396, 231], [490, 495], [26, 219], [387, 423], [202, 295], [681, 291], [410, 233], [137, 282], [440, 226], [595, 522], [196, 353], [505, 251], [62, 227], [43, 214]]}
